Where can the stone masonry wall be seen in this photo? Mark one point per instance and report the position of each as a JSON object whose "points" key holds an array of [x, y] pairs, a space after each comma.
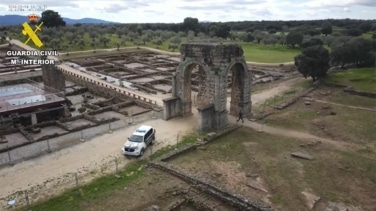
{"points": [[53, 78], [107, 92], [204, 89]]}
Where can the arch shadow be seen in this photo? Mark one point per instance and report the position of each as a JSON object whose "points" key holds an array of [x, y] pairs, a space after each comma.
{"points": [[240, 99]]}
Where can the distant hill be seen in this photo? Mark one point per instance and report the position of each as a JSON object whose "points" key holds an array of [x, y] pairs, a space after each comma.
{"points": [[19, 19]]}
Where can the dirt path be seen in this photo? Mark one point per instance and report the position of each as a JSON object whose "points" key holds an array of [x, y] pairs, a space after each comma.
{"points": [[291, 133], [355, 107], [259, 98], [83, 158], [276, 89]]}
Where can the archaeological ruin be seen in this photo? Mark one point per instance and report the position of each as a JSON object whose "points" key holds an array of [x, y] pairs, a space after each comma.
{"points": [[213, 63], [82, 93]]}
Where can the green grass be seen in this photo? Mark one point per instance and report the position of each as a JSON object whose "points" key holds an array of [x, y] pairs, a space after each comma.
{"points": [[280, 98], [368, 35], [361, 79], [187, 139], [269, 54], [342, 98], [252, 52], [101, 188]]}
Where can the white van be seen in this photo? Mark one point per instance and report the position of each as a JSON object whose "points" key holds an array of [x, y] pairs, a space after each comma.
{"points": [[136, 145]]}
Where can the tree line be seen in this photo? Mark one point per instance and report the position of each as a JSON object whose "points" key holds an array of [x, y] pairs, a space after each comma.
{"points": [[324, 43]]}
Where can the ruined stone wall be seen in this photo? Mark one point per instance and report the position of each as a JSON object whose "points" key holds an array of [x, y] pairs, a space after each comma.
{"points": [[20, 81], [107, 92], [53, 78]]}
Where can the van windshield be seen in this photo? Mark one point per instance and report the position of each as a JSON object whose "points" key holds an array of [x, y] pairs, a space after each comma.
{"points": [[137, 139]]}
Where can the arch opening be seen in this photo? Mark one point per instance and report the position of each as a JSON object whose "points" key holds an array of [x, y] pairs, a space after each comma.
{"points": [[236, 89], [195, 88]]}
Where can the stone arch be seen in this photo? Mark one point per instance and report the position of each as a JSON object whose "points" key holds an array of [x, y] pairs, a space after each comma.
{"points": [[240, 88], [183, 80], [216, 60]]}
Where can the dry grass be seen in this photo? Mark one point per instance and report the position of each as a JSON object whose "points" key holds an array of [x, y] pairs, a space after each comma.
{"points": [[348, 177], [348, 124]]}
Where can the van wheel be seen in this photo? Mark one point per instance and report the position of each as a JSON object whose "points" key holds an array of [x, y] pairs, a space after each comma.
{"points": [[142, 152]]}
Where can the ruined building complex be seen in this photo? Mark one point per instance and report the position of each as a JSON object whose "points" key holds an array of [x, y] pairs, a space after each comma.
{"points": [[208, 69]]}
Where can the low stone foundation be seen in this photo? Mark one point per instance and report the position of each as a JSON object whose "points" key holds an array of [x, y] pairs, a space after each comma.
{"points": [[235, 200]]}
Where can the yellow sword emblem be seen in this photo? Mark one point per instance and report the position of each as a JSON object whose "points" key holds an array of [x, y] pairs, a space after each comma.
{"points": [[32, 34]]}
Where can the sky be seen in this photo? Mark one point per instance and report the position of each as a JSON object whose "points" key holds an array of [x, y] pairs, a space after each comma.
{"points": [[174, 11]]}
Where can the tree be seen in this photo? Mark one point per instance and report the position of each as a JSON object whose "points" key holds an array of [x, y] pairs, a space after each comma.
{"points": [[66, 47], [93, 35], [81, 43], [104, 40], [259, 36], [312, 42], [326, 28], [59, 34], [165, 35], [93, 45], [173, 46], [45, 38], [313, 62], [51, 18], [139, 30], [123, 41], [202, 35], [70, 36], [157, 42], [355, 32], [362, 50], [341, 55], [270, 39], [145, 39], [119, 32], [55, 44], [176, 40], [137, 42], [249, 37], [191, 24], [294, 38], [220, 30], [133, 35], [365, 26], [190, 35]]}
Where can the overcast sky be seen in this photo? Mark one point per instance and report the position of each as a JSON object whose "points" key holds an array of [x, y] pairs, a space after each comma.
{"points": [[174, 11]]}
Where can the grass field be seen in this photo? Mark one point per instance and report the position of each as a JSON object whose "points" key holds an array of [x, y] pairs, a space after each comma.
{"points": [[334, 175], [253, 52], [269, 54], [361, 79], [348, 124], [368, 35]]}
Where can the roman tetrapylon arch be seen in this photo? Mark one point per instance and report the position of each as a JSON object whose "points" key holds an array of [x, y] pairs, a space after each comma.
{"points": [[215, 63]]}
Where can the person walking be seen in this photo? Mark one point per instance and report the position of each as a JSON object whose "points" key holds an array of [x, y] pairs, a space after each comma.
{"points": [[240, 117]]}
